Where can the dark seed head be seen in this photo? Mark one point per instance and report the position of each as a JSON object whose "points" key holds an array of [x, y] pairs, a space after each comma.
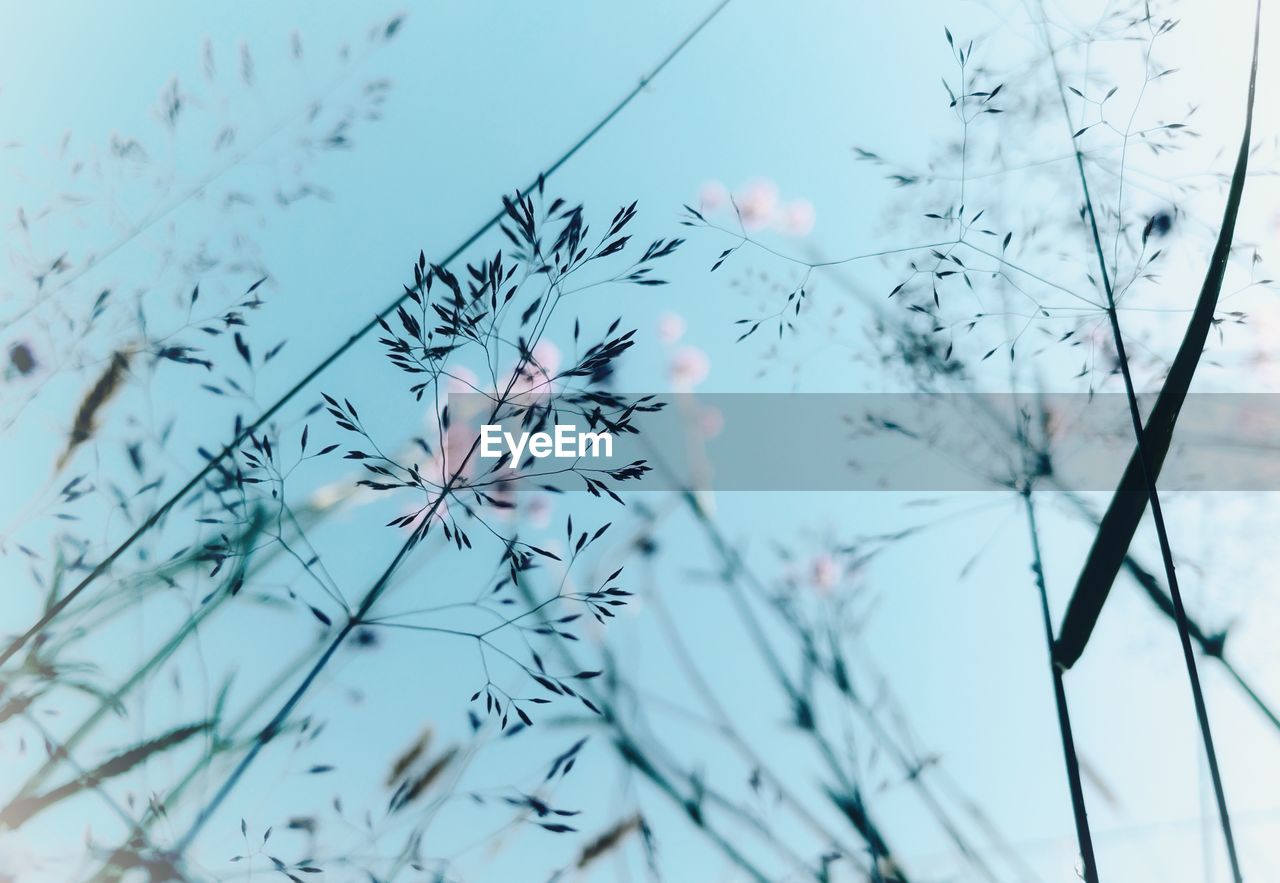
{"points": [[22, 359]]}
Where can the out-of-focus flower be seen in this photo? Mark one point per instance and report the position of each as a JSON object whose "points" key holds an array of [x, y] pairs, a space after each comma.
{"points": [[713, 196], [757, 203], [547, 355], [709, 423], [538, 511], [458, 441], [329, 495], [758, 206], [536, 376], [671, 327], [1264, 328], [462, 380], [1103, 348], [798, 217], [688, 367], [824, 573]]}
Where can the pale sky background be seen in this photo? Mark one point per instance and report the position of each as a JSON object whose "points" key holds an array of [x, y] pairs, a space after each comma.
{"points": [[482, 95]]}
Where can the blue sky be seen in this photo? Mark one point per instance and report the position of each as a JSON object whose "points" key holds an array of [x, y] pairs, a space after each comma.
{"points": [[482, 96]]}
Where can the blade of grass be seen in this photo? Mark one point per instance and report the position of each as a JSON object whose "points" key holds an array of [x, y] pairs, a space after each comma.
{"points": [[1212, 644], [20, 810], [1123, 515], [112, 700], [1115, 538]]}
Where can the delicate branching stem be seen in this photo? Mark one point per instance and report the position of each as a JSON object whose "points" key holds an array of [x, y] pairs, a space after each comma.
{"points": [[1211, 644], [273, 728], [1083, 835], [320, 368], [724, 724], [224, 739], [913, 771], [113, 700], [1144, 455], [802, 706], [631, 753]]}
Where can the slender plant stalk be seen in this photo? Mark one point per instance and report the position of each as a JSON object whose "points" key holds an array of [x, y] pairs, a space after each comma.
{"points": [[166, 650], [1188, 356], [849, 801], [1120, 522], [1212, 645], [189, 628], [998, 839], [277, 722], [371, 597], [20, 810], [139, 827], [737, 568], [634, 757], [1083, 835], [195, 189], [724, 725], [103, 566]]}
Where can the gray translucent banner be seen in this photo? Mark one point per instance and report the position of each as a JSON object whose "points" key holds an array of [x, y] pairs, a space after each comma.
{"points": [[887, 442]]}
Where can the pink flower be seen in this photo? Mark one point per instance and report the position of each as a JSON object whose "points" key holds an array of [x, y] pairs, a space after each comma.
{"points": [[671, 327], [824, 573], [688, 367], [709, 422], [797, 218], [459, 381], [758, 206], [713, 196], [538, 511], [547, 356], [757, 203], [536, 375], [440, 467], [16, 858], [462, 380]]}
